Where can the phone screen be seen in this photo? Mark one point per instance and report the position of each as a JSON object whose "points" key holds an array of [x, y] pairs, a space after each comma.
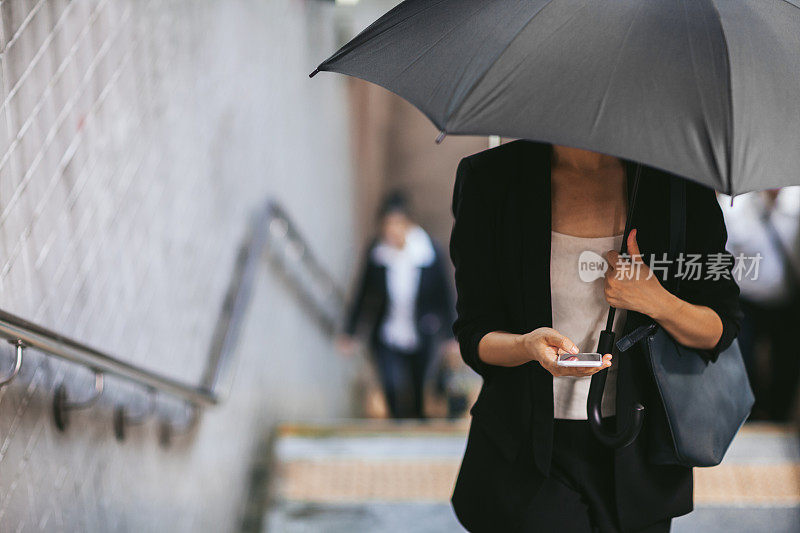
{"points": [[580, 359]]}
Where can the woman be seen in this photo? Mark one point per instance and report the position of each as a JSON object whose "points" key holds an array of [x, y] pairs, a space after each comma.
{"points": [[525, 213], [403, 291]]}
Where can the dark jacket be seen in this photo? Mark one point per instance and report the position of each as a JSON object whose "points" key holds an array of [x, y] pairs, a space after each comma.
{"points": [[434, 310], [500, 247]]}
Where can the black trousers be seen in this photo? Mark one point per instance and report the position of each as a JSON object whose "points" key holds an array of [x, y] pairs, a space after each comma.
{"points": [[578, 497], [402, 376], [775, 386]]}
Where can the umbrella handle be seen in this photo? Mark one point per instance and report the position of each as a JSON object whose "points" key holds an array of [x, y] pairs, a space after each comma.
{"points": [[630, 426]]}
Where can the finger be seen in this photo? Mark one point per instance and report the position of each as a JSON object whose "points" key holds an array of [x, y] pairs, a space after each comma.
{"points": [[557, 340], [594, 370], [552, 366], [605, 364], [608, 290], [589, 371], [612, 256], [633, 245]]}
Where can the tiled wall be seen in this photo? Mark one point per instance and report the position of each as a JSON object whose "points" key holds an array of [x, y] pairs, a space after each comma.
{"points": [[135, 138]]}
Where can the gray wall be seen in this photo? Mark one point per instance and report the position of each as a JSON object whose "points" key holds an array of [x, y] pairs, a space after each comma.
{"points": [[135, 138]]}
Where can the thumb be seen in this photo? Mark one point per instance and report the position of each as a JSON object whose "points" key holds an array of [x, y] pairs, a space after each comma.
{"points": [[633, 245], [557, 340], [612, 258]]}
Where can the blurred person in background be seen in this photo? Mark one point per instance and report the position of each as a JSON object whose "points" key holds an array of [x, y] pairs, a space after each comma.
{"points": [[404, 293], [767, 223]]}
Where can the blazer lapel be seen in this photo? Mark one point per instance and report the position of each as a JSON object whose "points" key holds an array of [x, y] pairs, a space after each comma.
{"points": [[535, 218], [534, 180]]}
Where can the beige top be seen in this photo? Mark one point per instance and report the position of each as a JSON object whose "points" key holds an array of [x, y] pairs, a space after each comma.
{"points": [[577, 266]]}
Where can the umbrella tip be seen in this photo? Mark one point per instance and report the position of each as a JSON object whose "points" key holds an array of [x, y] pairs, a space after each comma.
{"points": [[440, 137], [316, 70]]}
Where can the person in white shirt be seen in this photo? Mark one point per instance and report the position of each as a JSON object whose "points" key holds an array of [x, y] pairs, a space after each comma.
{"points": [[404, 292], [764, 233]]}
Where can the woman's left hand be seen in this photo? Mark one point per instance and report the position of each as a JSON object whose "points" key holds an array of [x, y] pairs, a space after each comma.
{"points": [[630, 284]]}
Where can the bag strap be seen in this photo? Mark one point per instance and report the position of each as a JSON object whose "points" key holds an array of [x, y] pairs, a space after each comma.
{"points": [[607, 335], [677, 224], [677, 243]]}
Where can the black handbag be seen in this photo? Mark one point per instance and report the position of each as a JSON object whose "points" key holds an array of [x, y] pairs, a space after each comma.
{"points": [[704, 403]]}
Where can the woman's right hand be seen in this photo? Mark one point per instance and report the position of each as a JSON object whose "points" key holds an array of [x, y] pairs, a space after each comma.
{"points": [[545, 344]]}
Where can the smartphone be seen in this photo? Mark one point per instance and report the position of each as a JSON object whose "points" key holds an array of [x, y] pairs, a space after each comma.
{"points": [[580, 359]]}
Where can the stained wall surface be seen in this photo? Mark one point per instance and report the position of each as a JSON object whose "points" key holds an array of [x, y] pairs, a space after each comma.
{"points": [[136, 137]]}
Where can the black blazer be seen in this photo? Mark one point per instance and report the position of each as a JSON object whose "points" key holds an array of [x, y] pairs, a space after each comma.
{"points": [[500, 246], [434, 311]]}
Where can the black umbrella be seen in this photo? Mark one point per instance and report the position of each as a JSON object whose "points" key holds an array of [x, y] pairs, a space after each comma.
{"points": [[707, 89]]}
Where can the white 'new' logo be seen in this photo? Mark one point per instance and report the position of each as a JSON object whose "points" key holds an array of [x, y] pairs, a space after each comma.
{"points": [[591, 266]]}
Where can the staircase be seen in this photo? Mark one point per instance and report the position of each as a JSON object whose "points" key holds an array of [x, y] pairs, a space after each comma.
{"points": [[354, 476]]}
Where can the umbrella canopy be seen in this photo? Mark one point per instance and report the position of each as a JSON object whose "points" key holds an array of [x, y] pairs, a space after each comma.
{"points": [[706, 89]]}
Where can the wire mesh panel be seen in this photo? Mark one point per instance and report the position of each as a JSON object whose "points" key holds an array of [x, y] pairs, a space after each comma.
{"points": [[136, 137]]}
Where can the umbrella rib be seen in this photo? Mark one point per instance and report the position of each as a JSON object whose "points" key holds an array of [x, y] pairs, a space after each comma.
{"points": [[446, 34], [603, 100], [729, 147], [700, 96], [791, 3], [365, 35], [491, 64]]}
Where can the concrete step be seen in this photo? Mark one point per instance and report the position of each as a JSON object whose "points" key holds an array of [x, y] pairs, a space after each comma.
{"points": [[353, 476]]}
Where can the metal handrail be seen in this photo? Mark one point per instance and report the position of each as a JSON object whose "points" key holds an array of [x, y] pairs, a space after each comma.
{"points": [[32, 335], [235, 303], [314, 287], [261, 235]]}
